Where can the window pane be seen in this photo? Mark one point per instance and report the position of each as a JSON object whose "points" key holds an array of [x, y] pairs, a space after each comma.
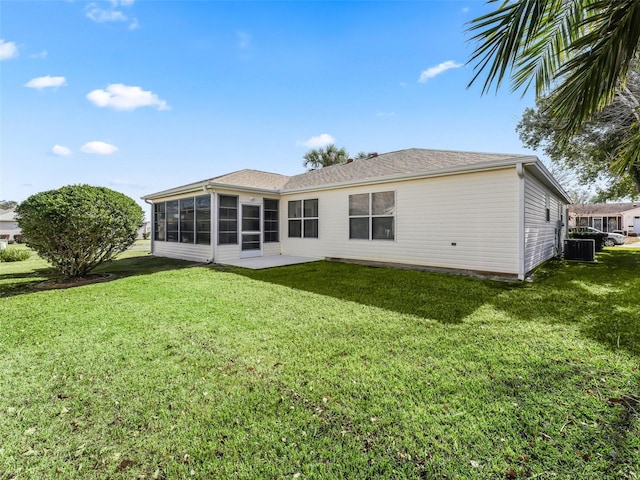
{"points": [[187, 220], [204, 238], [359, 204], [382, 228], [271, 204], [250, 224], [172, 221], [383, 203], [203, 220], [295, 209], [227, 225], [251, 241], [227, 238], [359, 228], [203, 202], [295, 228], [271, 228], [228, 201], [311, 208], [271, 237], [228, 220], [311, 228], [271, 215], [159, 218], [250, 218]]}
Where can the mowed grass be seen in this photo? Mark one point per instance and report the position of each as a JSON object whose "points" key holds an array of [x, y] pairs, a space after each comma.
{"points": [[321, 370]]}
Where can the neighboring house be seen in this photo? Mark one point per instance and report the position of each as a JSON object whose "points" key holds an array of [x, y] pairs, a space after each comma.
{"points": [[475, 212], [8, 225], [145, 230], [606, 216]]}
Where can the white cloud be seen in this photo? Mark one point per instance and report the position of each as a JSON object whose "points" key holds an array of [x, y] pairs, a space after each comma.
{"points": [[8, 50], [317, 142], [465, 10], [244, 40], [100, 15], [46, 82], [60, 151], [438, 69], [42, 54], [124, 97], [385, 114], [99, 148]]}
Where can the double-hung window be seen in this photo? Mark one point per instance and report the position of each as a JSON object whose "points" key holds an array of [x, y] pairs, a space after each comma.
{"points": [[372, 216], [303, 218]]}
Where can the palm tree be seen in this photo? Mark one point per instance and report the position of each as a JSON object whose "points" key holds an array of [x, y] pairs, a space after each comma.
{"points": [[364, 155], [577, 52], [324, 157]]}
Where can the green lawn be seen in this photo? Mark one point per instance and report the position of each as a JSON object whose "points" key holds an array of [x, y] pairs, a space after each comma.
{"points": [[322, 370]]}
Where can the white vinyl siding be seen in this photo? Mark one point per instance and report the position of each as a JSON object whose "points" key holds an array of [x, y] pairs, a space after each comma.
{"points": [[467, 221], [184, 251], [631, 219], [540, 235]]}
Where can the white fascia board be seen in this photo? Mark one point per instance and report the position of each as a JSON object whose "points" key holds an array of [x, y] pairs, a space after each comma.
{"points": [[498, 165], [206, 187]]}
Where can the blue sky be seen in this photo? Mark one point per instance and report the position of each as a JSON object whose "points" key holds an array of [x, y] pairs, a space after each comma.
{"points": [[140, 96]]}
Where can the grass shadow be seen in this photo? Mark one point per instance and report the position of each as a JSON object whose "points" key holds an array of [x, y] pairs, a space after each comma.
{"points": [[435, 296], [127, 265], [603, 298]]}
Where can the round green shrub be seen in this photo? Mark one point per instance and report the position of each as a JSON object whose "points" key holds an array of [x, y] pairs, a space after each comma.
{"points": [[78, 227], [14, 255]]}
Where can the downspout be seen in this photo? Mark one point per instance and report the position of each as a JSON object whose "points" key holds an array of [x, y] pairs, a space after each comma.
{"points": [[521, 221], [153, 226]]}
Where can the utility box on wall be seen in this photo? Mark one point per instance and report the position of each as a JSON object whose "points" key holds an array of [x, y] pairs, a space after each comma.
{"points": [[583, 249]]}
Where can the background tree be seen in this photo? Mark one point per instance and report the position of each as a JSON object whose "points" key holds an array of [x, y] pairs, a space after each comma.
{"points": [[363, 155], [590, 150], [324, 157], [7, 204], [78, 227], [576, 53]]}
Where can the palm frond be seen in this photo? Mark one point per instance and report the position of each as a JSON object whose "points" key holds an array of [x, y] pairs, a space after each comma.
{"points": [[520, 38], [599, 61], [628, 155]]}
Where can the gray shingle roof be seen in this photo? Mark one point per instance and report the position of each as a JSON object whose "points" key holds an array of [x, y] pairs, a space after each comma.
{"points": [[602, 208], [402, 163], [413, 161], [252, 179], [8, 215]]}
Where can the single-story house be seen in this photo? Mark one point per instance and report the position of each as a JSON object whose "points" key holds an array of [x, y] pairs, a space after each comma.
{"points": [[8, 225], [145, 230], [488, 213], [606, 216]]}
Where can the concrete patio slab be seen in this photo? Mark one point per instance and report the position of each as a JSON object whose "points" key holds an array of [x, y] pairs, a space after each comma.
{"points": [[258, 263]]}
